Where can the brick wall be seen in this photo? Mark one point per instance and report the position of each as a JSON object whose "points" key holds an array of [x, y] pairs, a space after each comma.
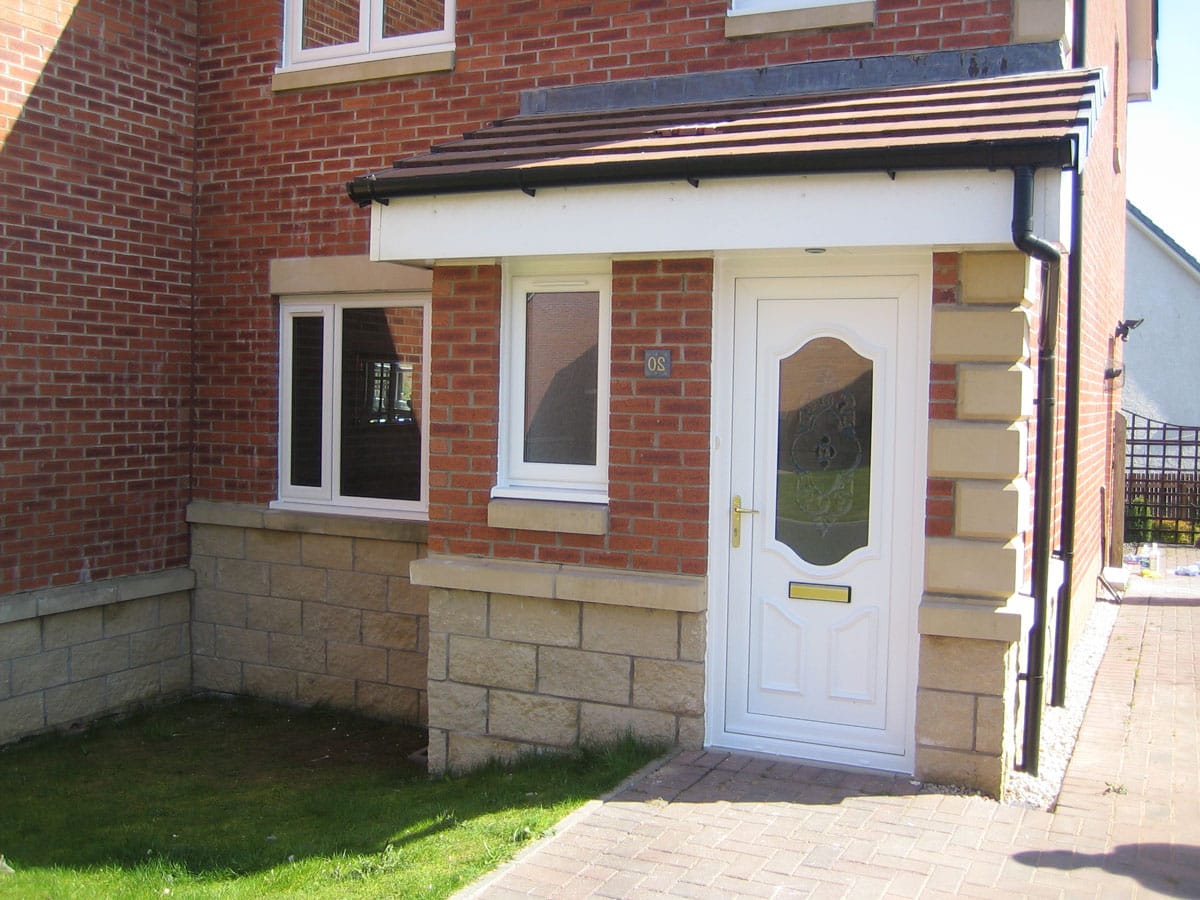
{"points": [[271, 165], [659, 429], [96, 178]]}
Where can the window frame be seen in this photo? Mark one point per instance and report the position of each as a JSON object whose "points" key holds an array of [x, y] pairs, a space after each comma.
{"points": [[328, 497], [367, 47], [550, 481]]}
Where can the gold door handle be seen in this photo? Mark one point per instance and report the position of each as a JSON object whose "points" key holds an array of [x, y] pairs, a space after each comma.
{"points": [[736, 520]]}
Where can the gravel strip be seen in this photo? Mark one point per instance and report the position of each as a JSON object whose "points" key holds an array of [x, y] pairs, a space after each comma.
{"points": [[1060, 725]]}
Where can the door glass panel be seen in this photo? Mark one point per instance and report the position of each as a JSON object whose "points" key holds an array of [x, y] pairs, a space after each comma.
{"points": [[824, 455]]}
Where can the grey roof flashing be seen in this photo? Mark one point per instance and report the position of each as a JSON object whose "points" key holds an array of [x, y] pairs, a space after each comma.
{"points": [[797, 78]]}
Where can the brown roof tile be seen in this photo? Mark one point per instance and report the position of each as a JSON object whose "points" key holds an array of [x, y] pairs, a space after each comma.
{"points": [[998, 122]]}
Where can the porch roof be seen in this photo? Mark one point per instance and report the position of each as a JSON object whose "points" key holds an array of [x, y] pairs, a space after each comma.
{"points": [[990, 123]]}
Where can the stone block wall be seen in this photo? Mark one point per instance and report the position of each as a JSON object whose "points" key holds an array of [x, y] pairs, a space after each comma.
{"points": [[978, 530], [71, 655], [306, 608], [513, 672]]}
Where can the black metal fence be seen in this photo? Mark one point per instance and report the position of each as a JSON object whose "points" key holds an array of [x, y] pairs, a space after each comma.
{"points": [[1162, 481]]}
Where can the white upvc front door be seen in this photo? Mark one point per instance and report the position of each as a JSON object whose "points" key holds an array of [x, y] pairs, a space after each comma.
{"points": [[827, 412]]}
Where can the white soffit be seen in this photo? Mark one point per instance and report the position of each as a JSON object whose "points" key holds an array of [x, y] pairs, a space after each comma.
{"points": [[936, 208]]}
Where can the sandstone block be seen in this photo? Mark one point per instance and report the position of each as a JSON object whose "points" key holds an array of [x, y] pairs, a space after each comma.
{"points": [[304, 654], [295, 582], [408, 669], [458, 707], [691, 732], [218, 540], [21, 716], [356, 661], [175, 609], [994, 726], [601, 724], [70, 628], [406, 597], [963, 665], [175, 675], [465, 752], [946, 720], [582, 675], [974, 568], [270, 683], [385, 701], [332, 623], [220, 608], [392, 630], [1002, 277], [212, 674], [693, 637], [437, 758], [502, 664], [22, 638], [242, 644], [383, 557], [534, 620], [100, 657], [157, 645], [532, 717], [132, 686], [77, 702], [458, 612], [243, 576], [130, 616], [439, 656], [360, 590], [676, 687], [36, 673], [637, 632], [323, 551], [276, 614], [204, 639], [975, 770], [313, 689], [273, 546]]}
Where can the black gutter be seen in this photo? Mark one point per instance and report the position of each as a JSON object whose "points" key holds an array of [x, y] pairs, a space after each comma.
{"points": [[1032, 245], [390, 183], [1070, 499]]}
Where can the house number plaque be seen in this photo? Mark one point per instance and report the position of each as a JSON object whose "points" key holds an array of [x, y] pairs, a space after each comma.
{"points": [[657, 363]]}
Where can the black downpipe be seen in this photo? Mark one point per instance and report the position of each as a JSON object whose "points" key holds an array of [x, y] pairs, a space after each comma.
{"points": [[1070, 501], [1032, 245]]}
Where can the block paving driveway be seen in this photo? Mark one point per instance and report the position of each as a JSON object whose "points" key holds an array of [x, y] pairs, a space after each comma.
{"points": [[717, 824]]}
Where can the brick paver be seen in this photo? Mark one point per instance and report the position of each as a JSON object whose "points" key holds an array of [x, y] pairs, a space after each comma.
{"points": [[715, 824]]}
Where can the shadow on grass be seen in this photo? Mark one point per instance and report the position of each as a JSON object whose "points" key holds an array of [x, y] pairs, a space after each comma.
{"points": [[214, 789]]}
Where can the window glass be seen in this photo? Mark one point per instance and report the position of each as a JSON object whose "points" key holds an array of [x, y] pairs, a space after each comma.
{"points": [[405, 17], [329, 23], [307, 407], [823, 482], [562, 333], [354, 404]]}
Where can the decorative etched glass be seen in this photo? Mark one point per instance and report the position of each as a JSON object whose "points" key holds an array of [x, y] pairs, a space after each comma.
{"points": [[823, 484]]}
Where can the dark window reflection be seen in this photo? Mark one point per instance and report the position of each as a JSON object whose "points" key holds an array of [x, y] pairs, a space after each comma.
{"points": [[307, 414]]}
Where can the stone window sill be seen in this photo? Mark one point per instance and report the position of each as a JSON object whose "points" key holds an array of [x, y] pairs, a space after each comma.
{"points": [[549, 515], [834, 15], [366, 70]]}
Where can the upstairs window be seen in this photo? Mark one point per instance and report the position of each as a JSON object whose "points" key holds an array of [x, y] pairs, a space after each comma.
{"points": [[332, 32], [354, 405], [556, 387]]}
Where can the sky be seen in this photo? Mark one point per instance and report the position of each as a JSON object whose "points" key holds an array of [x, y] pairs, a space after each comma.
{"points": [[1163, 159]]}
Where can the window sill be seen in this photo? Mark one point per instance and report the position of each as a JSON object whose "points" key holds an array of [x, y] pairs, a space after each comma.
{"points": [[549, 515], [835, 15], [364, 70], [332, 521]]}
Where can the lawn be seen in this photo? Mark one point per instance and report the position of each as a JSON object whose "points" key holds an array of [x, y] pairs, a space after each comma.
{"points": [[240, 798]]}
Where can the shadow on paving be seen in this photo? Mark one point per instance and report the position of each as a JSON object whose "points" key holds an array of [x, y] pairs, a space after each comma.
{"points": [[1169, 869]]}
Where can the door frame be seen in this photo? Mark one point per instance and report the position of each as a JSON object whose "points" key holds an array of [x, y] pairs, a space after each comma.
{"points": [[728, 269]]}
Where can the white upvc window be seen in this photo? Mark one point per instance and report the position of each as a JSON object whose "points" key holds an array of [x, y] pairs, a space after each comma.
{"points": [[354, 404], [748, 18], [555, 387], [737, 7], [332, 32]]}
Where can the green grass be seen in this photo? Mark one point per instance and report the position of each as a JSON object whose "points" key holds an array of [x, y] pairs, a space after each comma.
{"points": [[227, 799]]}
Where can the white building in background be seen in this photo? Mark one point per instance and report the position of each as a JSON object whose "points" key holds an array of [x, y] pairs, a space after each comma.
{"points": [[1162, 357]]}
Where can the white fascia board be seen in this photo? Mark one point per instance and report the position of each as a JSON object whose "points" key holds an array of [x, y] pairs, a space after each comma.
{"points": [[959, 208]]}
